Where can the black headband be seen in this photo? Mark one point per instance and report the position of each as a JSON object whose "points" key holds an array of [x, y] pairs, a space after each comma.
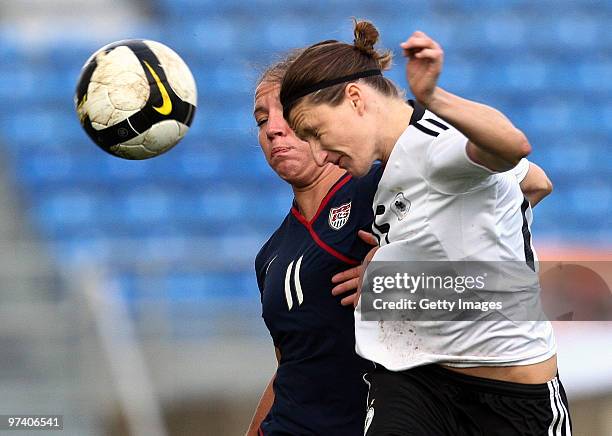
{"points": [[326, 84]]}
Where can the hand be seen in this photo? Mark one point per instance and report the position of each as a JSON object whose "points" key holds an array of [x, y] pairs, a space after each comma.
{"points": [[425, 58], [350, 279], [364, 266]]}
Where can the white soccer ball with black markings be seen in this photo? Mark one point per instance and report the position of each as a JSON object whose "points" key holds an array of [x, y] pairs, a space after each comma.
{"points": [[136, 98]]}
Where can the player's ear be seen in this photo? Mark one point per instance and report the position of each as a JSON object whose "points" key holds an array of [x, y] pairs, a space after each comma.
{"points": [[355, 94]]}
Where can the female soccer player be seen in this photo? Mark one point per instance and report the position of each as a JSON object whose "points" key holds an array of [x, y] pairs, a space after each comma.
{"points": [[446, 194], [318, 387]]}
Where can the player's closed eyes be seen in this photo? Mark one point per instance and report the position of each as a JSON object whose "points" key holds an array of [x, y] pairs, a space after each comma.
{"points": [[261, 122], [308, 133]]}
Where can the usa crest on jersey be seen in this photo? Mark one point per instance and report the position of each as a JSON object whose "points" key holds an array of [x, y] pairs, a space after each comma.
{"points": [[338, 216]]}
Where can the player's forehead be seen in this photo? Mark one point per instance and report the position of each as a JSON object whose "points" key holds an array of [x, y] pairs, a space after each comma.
{"points": [[265, 92], [304, 117]]}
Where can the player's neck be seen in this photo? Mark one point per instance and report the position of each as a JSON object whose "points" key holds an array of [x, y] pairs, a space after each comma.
{"points": [[308, 198], [395, 119]]}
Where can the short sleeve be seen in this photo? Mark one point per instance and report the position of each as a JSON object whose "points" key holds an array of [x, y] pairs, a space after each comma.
{"points": [[449, 169], [521, 169], [262, 263], [260, 273]]}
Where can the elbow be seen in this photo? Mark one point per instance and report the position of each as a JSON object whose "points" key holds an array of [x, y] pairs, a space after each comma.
{"points": [[543, 189], [536, 185], [521, 148], [548, 186], [540, 193], [524, 145]]}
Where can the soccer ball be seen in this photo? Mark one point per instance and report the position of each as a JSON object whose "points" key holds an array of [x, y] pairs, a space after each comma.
{"points": [[136, 98]]}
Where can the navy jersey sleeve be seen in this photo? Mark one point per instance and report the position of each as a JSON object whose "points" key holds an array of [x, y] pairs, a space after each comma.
{"points": [[266, 256], [259, 269], [262, 261]]}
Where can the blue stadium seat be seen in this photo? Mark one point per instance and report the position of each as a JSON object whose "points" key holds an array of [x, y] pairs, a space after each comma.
{"points": [[18, 82], [44, 167], [184, 286], [589, 27], [67, 208], [205, 161], [227, 78], [592, 199], [593, 76], [145, 207], [287, 33], [9, 51], [183, 8]]}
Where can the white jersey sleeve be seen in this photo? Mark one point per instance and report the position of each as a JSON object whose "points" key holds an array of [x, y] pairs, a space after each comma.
{"points": [[449, 169], [521, 169]]}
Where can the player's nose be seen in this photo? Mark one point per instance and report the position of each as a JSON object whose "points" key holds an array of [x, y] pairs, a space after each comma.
{"points": [[276, 126]]}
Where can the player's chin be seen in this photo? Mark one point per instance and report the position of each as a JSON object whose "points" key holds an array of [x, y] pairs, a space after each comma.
{"points": [[283, 164], [288, 169], [356, 169]]}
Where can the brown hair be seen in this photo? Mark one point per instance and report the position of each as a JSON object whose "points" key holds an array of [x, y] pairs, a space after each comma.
{"points": [[329, 60], [276, 72]]}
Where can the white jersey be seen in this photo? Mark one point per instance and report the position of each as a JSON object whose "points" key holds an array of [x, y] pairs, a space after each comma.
{"points": [[434, 203]]}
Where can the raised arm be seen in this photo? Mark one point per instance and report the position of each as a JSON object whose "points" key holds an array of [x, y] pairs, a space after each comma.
{"points": [[493, 141]]}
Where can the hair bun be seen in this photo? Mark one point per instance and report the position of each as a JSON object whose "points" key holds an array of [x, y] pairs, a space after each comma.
{"points": [[366, 36]]}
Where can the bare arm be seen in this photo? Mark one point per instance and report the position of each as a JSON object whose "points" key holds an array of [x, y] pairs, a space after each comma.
{"points": [[536, 185], [264, 405], [493, 141]]}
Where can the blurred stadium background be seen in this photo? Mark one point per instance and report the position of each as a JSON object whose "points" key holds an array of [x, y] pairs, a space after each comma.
{"points": [[127, 296]]}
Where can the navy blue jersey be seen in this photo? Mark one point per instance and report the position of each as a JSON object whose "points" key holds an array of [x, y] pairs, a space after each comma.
{"points": [[318, 387]]}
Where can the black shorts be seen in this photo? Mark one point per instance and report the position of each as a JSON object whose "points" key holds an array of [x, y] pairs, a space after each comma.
{"points": [[433, 401]]}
